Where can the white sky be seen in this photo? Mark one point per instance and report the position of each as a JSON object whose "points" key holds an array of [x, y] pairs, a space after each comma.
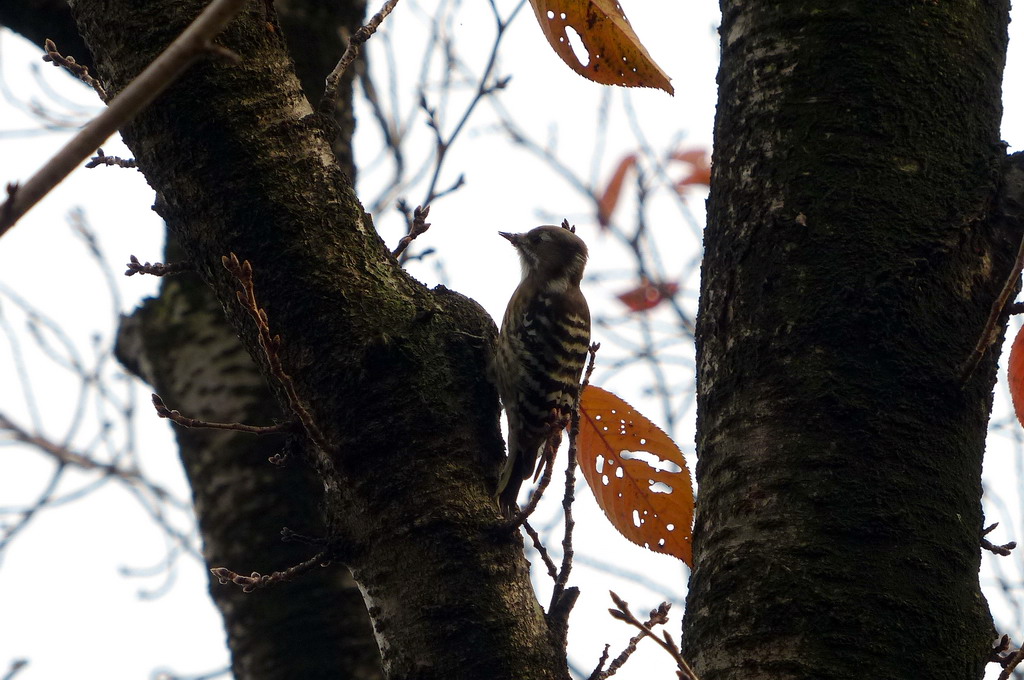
{"points": [[65, 605]]}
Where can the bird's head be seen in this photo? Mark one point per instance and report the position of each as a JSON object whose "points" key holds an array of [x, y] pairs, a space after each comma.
{"points": [[553, 256]]}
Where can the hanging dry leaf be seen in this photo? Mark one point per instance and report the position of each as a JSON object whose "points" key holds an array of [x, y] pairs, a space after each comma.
{"points": [[616, 55], [648, 295], [1015, 375], [610, 198], [700, 172], [638, 475]]}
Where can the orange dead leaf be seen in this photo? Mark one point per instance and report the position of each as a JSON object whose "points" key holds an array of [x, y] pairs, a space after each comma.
{"points": [[691, 156], [700, 172], [610, 198], [648, 295], [638, 475], [617, 56], [1015, 375]]}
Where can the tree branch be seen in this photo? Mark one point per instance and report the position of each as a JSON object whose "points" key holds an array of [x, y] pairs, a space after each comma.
{"points": [[191, 44]]}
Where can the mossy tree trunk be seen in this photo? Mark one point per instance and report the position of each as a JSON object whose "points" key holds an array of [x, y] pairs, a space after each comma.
{"points": [[392, 373], [853, 252]]}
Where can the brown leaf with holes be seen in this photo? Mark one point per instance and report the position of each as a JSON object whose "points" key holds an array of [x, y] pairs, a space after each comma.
{"points": [[617, 56], [638, 475], [610, 198]]}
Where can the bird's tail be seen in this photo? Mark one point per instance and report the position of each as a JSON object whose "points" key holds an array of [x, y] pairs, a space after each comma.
{"points": [[517, 468]]}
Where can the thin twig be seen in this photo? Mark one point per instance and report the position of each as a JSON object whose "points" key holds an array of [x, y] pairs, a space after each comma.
{"points": [[1009, 660], [329, 101], [658, 616], [14, 668], [156, 268], [988, 334], [1011, 663], [484, 89], [619, 661], [1003, 549], [103, 159], [80, 71], [535, 537], [570, 485], [256, 580], [418, 226], [600, 664], [65, 456], [190, 45], [177, 418], [270, 345]]}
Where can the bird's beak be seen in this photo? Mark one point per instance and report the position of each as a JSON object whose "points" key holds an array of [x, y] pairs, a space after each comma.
{"points": [[512, 238]]}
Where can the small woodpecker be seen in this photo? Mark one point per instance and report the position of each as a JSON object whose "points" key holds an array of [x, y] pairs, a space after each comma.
{"points": [[542, 346]]}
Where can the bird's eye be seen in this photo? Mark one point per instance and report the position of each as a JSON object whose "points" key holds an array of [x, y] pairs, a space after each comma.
{"points": [[534, 238]]}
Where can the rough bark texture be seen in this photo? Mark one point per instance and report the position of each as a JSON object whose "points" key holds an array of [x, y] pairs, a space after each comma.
{"points": [[851, 260], [392, 373], [181, 344]]}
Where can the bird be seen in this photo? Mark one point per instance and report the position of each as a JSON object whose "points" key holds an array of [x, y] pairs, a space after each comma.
{"points": [[541, 349]]}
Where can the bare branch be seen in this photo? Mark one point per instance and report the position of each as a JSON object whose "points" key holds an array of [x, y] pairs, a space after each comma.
{"points": [[988, 334], [535, 537], [103, 159], [270, 345], [185, 421], [14, 668], [557, 607], [256, 580], [658, 616], [66, 456], [362, 34], [1012, 661], [80, 71], [191, 44], [1003, 549], [418, 226], [157, 268]]}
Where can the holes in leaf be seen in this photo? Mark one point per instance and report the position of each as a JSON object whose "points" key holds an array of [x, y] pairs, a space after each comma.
{"points": [[576, 43], [660, 487], [656, 462]]}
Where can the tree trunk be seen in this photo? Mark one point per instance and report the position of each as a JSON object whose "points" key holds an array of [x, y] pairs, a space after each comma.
{"points": [[181, 344], [392, 374], [852, 256]]}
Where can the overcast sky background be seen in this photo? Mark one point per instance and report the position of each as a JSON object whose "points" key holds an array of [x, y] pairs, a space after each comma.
{"points": [[66, 607]]}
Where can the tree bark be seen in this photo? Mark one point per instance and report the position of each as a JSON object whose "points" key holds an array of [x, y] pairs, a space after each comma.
{"points": [[852, 256], [392, 373], [181, 344]]}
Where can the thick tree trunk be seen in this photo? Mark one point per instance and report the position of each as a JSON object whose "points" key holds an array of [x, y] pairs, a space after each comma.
{"points": [[852, 256], [391, 372], [181, 344]]}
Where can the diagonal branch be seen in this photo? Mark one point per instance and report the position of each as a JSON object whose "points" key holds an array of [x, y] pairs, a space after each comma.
{"points": [[165, 69]]}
